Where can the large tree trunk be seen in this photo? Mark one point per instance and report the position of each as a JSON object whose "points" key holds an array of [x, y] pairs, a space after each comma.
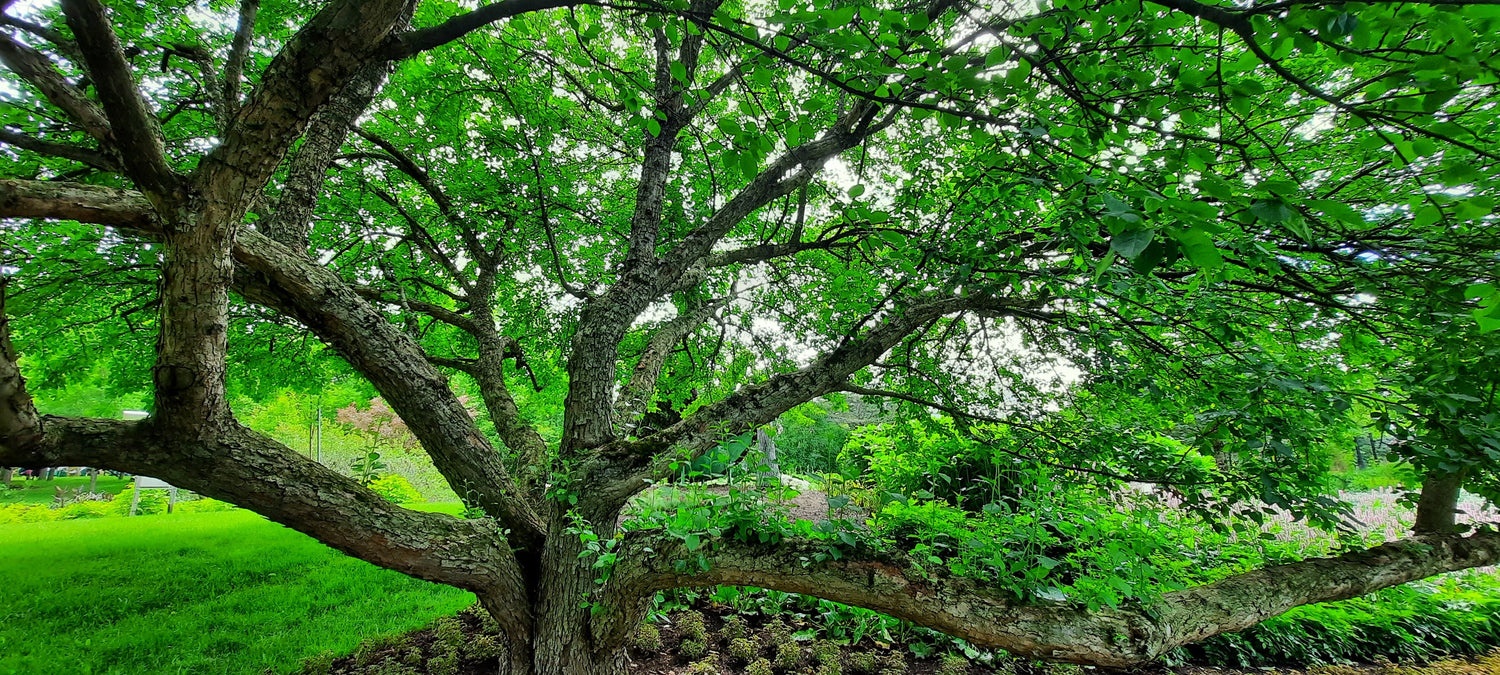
{"points": [[570, 633], [1437, 508]]}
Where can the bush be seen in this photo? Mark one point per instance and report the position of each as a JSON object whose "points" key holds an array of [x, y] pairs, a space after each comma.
{"points": [[787, 655], [204, 505], [864, 662], [825, 652], [734, 629], [396, 489], [743, 650], [692, 626], [646, 638], [84, 510], [953, 664], [26, 513], [152, 501], [760, 667], [692, 650]]}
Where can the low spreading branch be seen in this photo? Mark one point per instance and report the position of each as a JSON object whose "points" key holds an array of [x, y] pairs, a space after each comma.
{"points": [[649, 561]]}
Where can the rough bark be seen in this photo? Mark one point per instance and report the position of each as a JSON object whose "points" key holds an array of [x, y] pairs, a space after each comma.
{"points": [[288, 222], [1437, 507], [1040, 629]]}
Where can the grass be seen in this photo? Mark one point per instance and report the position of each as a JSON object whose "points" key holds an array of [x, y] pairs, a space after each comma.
{"points": [[40, 491], [200, 593]]}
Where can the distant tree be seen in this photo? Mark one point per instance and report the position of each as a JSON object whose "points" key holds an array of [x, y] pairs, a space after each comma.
{"points": [[1073, 221]]}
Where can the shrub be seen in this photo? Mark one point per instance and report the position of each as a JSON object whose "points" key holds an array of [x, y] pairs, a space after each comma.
{"points": [[759, 667], [892, 663], [743, 650], [484, 647], [778, 631], [953, 664], [692, 626], [318, 665], [204, 505], [864, 662], [26, 513], [692, 650], [77, 510], [646, 638], [787, 655], [825, 652], [152, 501], [396, 489], [734, 629], [443, 664], [704, 667]]}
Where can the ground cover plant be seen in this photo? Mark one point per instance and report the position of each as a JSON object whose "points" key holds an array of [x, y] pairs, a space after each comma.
{"points": [[1121, 270], [211, 593], [40, 492]]}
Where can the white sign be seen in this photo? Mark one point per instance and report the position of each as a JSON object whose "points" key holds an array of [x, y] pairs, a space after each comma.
{"points": [[148, 483]]}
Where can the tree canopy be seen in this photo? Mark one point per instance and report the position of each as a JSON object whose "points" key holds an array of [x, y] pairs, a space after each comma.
{"points": [[1174, 242]]}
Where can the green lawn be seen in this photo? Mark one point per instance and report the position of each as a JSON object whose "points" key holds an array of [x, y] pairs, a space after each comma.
{"points": [[199, 593], [40, 491]]}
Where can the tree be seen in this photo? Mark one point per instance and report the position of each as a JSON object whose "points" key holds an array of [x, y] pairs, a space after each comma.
{"points": [[695, 216]]}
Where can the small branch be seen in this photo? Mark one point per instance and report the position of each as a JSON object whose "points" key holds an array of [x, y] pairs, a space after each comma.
{"points": [[92, 158], [35, 68], [413, 42], [239, 51]]}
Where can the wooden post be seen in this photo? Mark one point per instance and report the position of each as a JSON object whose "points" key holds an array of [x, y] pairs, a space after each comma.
{"points": [[135, 495], [171, 498]]}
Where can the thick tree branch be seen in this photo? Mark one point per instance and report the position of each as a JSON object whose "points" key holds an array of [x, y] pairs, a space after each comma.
{"points": [[316, 64], [988, 617], [77, 201], [270, 274], [275, 276], [64, 46], [288, 223], [636, 395], [759, 404], [605, 318], [136, 133]]}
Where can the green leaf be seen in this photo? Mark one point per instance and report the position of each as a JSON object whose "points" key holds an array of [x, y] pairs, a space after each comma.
{"points": [[1200, 249], [1132, 243], [1428, 215]]}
